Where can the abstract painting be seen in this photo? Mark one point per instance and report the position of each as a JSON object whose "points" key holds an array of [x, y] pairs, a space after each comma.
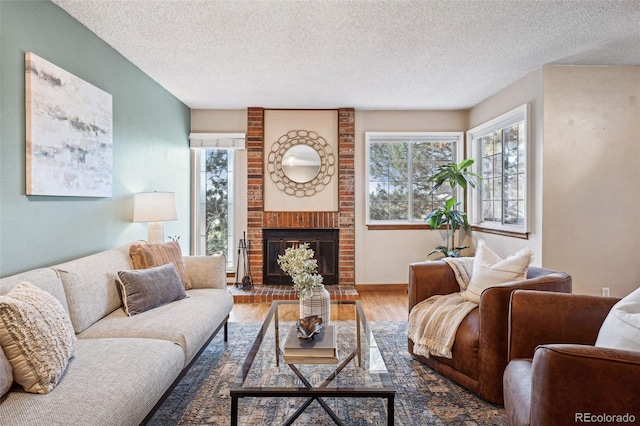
{"points": [[69, 133]]}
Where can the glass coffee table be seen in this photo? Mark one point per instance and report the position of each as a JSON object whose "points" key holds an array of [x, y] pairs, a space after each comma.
{"points": [[359, 373]]}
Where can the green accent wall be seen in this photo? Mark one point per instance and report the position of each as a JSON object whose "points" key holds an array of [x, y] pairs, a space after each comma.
{"points": [[150, 144]]}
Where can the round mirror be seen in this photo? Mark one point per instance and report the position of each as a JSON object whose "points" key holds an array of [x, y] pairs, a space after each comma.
{"points": [[301, 163]]}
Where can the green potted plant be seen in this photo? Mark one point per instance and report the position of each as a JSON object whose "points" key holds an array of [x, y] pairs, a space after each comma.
{"points": [[448, 214]]}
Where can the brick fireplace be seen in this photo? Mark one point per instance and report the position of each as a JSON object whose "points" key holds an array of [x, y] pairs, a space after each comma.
{"points": [[342, 220], [323, 242]]}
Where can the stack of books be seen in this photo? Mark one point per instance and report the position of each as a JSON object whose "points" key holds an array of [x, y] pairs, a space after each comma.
{"points": [[323, 349]]}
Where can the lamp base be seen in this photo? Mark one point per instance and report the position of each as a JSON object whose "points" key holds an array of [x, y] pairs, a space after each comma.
{"points": [[156, 232]]}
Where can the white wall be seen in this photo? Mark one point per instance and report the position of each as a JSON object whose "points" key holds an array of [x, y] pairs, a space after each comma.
{"points": [[219, 120], [591, 176], [585, 147], [383, 256], [526, 90]]}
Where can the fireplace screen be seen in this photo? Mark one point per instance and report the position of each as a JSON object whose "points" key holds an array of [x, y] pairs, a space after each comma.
{"points": [[324, 243]]}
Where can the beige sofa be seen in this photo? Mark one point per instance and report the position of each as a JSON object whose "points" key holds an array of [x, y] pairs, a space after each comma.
{"points": [[123, 366]]}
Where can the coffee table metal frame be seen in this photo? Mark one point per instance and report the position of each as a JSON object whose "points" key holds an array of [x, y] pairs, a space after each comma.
{"points": [[386, 391]]}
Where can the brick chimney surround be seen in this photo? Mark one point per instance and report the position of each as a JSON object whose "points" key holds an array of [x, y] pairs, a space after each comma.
{"points": [[343, 219]]}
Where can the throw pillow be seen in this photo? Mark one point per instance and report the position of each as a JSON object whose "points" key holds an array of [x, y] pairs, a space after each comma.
{"points": [[621, 327], [146, 256], [37, 337], [6, 376], [148, 288], [490, 270]]}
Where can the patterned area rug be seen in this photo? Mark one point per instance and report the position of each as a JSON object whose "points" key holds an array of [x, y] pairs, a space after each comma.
{"points": [[423, 396]]}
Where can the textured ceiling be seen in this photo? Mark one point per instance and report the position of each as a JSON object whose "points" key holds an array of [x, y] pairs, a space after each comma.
{"points": [[375, 54]]}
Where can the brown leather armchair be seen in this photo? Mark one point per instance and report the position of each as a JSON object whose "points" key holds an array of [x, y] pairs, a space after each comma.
{"points": [[480, 347], [555, 374]]}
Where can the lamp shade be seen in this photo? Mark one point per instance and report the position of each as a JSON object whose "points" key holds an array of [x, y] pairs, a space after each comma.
{"points": [[154, 207]]}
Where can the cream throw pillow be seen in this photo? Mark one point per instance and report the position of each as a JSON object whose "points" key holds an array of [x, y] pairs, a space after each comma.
{"points": [[490, 270], [37, 337], [621, 327]]}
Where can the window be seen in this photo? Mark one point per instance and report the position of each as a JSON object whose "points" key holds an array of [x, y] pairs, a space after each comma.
{"points": [[398, 168], [213, 162], [500, 149], [215, 202]]}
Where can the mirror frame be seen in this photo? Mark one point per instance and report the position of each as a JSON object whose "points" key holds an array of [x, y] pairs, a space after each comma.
{"points": [[313, 140]]}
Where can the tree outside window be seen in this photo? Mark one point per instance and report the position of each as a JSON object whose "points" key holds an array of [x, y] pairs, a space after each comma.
{"points": [[398, 168], [217, 200], [215, 203], [501, 146]]}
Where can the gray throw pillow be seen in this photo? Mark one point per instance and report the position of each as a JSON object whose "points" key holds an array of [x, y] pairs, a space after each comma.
{"points": [[146, 289]]}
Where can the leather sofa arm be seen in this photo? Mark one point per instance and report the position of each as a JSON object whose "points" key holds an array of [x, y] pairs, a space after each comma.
{"points": [[429, 278], [606, 381], [540, 317], [494, 329], [207, 271]]}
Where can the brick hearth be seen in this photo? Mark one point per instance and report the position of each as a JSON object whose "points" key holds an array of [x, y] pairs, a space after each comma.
{"points": [[268, 293]]}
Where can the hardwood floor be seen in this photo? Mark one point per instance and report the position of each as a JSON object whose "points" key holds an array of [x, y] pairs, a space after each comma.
{"points": [[378, 305]]}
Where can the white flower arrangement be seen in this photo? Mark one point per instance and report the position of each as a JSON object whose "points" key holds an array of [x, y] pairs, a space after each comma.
{"points": [[302, 267]]}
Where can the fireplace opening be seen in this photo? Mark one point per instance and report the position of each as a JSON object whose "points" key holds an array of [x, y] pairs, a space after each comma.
{"points": [[323, 242]]}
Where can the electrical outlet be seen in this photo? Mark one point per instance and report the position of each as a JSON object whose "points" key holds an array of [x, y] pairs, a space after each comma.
{"points": [[606, 292]]}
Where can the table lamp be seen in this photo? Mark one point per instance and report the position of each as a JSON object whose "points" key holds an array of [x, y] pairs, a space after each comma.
{"points": [[155, 208]]}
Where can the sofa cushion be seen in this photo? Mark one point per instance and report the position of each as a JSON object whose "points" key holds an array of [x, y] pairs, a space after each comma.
{"points": [[37, 337], [621, 327], [490, 270], [90, 285], [6, 374], [204, 309], [149, 288], [112, 382], [149, 255], [207, 271], [47, 279]]}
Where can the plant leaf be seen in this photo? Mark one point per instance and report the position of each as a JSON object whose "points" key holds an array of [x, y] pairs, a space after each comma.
{"points": [[450, 203], [466, 163], [439, 249], [435, 219]]}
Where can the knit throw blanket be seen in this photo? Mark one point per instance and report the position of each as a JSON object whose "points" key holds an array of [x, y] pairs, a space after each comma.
{"points": [[433, 323]]}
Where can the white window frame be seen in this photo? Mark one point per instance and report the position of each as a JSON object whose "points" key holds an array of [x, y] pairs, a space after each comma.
{"points": [[200, 143], [474, 150], [390, 137]]}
